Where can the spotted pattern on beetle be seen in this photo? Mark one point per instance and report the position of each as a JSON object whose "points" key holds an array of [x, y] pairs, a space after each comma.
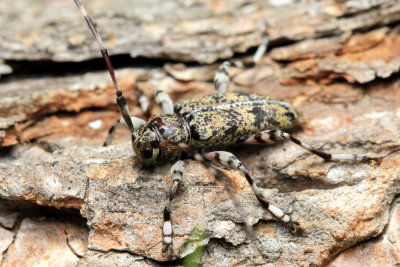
{"points": [[224, 119]]}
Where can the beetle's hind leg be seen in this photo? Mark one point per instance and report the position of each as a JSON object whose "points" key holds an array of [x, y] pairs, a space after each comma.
{"points": [[221, 78], [229, 161], [261, 48], [272, 136]]}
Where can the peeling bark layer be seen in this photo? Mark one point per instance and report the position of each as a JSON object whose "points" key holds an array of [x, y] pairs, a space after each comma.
{"points": [[336, 63]]}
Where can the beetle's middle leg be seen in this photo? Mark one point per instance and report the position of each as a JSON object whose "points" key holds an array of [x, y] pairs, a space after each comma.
{"points": [[221, 78], [272, 136]]}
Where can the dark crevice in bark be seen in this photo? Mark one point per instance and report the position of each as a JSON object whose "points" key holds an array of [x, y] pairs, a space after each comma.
{"points": [[176, 262], [27, 209], [31, 68]]}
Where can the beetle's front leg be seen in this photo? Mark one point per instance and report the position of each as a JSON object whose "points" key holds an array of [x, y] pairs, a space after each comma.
{"points": [[272, 136], [136, 123], [164, 100], [176, 176], [161, 98]]}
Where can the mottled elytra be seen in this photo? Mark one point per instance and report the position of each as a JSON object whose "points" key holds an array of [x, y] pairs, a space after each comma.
{"points": [[199, 124]]}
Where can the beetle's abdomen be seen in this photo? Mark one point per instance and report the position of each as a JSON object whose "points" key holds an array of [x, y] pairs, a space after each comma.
{"points": [[224, 119]]}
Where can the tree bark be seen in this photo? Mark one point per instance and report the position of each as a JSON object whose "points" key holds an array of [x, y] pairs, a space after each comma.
{"points": [[336, 62]]}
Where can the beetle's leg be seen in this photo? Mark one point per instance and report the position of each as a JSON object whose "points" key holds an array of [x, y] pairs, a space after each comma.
{"points": [[144, 102], [262, 48], [229, 161], [272, 136], [221, 79], [257, 55], [123, 107], [136, 122], [163, 99], [176, 176]]}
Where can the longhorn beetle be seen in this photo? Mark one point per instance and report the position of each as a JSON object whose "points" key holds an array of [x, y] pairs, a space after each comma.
{"points": [[199, 123]]}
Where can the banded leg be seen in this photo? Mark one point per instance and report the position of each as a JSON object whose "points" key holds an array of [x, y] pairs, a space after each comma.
{"points": [[144, 102], [262, 47], [272, 136], [176, 176], [229, 161], [136, 122], [123, 107], [221, 78], [163, 99]]}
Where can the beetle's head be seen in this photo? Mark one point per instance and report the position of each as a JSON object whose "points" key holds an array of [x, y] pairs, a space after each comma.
{"points": [[146, 147], [157, 139]]}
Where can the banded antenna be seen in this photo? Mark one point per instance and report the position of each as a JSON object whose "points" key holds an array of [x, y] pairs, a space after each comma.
{"points": [[123, 107]]}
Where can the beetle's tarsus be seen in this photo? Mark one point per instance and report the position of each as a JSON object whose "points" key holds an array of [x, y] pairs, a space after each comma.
{"points": [[295, 228], [373, 161], [167, 249]]}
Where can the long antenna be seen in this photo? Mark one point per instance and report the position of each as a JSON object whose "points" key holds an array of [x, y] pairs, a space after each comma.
{"points": [[120, 99]]}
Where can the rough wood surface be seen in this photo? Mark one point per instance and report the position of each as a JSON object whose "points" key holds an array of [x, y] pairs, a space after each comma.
{"points": [[336, 63], [214, 29]]}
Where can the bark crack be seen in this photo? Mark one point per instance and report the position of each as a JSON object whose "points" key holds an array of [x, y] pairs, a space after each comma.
{"points": [[15, 233], [73, 250]]}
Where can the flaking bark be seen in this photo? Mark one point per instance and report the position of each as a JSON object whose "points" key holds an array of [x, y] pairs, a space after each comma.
{"points": [[336, 63]]}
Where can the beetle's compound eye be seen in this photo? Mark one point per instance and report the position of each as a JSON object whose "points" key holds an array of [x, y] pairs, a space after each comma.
{"points": [[147, 157], [147, 154]]}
